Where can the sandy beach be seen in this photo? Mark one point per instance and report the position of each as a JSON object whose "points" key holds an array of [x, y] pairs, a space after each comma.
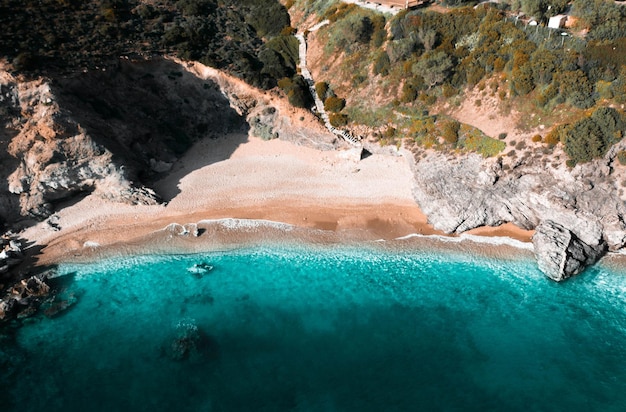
{"points": [[324, 196]]}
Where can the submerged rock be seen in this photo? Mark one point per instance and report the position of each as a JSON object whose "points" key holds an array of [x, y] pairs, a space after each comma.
{"points": [[185, 344]]}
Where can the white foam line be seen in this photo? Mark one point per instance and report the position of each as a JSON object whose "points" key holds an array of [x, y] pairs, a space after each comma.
{"points": [[500, 240]]}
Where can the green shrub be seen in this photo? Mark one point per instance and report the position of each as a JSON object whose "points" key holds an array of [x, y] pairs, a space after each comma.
{"points": [[606, 19], [297, 91], [522, 80], [274, 64], [353, 27], [358, 79], [427, 98], [474, 140], [448, 90], [592, 136], [389, 132], [556, 135], [334, 104], [288, 31], [450, 131], [409, 93], [267, 17], [321, 89], [576, 88], [382, 64], [434, 67], [547, 94], [338, 119], [621, 157]]}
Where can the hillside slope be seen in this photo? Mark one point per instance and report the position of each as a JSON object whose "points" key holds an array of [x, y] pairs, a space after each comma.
{"points": [[486, 150]]}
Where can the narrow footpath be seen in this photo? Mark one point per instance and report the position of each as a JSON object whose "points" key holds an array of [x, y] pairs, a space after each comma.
{"points": [[319, 104]]}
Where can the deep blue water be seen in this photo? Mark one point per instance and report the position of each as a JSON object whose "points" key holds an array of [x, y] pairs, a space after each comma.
{"points": [[322, 329]]}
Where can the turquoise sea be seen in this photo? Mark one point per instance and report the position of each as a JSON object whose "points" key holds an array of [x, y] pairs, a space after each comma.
{"points": [[321, 328]]}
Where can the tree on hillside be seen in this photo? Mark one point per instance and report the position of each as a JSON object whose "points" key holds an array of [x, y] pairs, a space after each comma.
{"points": [[605, 19], [592, 136], [543, 64], [434, 67], [539, 8], [334, 104], [585, 141], [297, 91], [574, 86]]}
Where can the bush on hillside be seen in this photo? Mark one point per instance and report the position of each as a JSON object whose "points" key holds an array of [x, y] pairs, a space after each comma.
{"points": [[450, 131], [434, 68], [297, 91], [338, 119], [321, 89], [574, 86], [592, 136], [382, 64], [334, 104]]}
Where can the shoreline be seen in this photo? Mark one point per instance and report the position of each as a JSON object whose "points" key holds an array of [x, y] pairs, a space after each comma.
{"points": [[218, 235], [175, 236], [329, 197]]}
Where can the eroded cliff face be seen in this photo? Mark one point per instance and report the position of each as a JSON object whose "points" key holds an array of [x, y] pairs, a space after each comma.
{"points": [[578, 214], [116, 130]]}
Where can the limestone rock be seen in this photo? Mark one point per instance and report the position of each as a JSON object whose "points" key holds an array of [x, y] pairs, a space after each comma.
{"points": [[560, 253], [183, 230], [578, 213], [7, 308]]}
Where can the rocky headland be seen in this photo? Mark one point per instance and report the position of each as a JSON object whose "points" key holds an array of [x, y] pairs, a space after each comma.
{"points": [[577, 214]]}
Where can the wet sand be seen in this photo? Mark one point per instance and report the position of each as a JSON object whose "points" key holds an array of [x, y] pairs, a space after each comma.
{"points": [[323, 196]]}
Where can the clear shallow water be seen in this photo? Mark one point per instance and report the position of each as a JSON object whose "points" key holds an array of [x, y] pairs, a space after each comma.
{"points": [[333, 329]]}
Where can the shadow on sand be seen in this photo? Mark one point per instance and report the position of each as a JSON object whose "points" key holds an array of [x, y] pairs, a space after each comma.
{"points": [[149, 113]]}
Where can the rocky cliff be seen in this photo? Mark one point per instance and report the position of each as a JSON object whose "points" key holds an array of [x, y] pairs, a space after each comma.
{"points": [[578, 214], [116, 130]]}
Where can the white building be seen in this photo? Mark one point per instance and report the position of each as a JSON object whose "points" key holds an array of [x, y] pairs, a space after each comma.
{"points": [[557, 22]]}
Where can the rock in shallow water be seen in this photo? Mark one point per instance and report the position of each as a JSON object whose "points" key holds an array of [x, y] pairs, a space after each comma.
{"points": [[560, 253], [577, 213]]}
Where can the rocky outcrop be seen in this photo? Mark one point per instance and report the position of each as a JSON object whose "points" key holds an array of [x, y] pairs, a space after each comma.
{"points": [[24, 298], [578, 213], [21, 294], [10, 253], [113, 132], [50, 157], [560, 253]]}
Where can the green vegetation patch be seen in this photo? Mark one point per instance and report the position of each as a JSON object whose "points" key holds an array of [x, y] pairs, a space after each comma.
{"points": [[592, 136], [71, 35], [297, 91], [473, 140], [353, 29]]}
